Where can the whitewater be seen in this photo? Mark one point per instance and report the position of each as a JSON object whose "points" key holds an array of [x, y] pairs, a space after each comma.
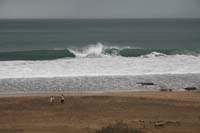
{"points": [[176, 64], [93, 61], [92, 70]]}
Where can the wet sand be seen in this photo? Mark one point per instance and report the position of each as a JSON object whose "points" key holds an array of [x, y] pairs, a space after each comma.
{"points": [[179, 112]]}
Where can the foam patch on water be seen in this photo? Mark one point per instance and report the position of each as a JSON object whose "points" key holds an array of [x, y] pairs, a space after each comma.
{"points": [[173, 64]]}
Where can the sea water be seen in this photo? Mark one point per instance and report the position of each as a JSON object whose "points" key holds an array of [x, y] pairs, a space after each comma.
{"points": [[98, 55]]}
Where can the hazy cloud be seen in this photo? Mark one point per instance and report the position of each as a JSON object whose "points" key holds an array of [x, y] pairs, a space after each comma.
{"points": [[99, 8]]}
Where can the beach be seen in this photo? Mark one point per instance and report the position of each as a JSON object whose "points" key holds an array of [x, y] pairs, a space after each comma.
{"points": [[86, 112]]}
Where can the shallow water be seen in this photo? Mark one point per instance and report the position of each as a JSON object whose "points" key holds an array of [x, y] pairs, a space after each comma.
{"points": [[98, 84]]}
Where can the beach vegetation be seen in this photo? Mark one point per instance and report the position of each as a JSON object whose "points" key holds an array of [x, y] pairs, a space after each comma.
{"points": [[118, 127]]}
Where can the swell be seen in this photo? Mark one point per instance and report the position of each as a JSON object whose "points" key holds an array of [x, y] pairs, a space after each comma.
{"points": [[35, 55], [93, 51]]}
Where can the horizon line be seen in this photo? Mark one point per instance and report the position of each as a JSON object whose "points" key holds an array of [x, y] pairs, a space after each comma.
{"points": [[101, 18]]}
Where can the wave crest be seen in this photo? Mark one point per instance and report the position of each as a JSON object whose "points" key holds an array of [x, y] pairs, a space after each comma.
{"points": [[90, 51], [94, 51]]}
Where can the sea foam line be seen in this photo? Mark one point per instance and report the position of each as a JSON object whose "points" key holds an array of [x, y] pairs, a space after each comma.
{"points": [[176, 64]]}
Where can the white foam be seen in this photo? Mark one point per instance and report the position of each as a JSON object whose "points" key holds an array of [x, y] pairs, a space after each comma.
{"points": [[154, 54], [97, 50], [173, 64], [90, 51]]}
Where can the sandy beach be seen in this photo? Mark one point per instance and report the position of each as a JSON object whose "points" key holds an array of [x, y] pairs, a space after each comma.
{"points": [[86, 112]]}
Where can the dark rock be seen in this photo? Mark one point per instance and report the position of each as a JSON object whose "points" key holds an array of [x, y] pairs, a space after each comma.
{"points": [[145, 83], [166, 90], [190, 88]]}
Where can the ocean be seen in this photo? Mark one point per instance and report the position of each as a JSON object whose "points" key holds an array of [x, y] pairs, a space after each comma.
{"points": [[50, 55]]}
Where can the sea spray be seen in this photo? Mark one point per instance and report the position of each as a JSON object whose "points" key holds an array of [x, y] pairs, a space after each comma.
{"points": [[90, 51]]}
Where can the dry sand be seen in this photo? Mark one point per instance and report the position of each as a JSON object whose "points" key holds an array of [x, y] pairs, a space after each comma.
{"points": [[85, 112]]}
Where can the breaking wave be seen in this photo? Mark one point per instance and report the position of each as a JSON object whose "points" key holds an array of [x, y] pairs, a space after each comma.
{"points": [[92, 51]]}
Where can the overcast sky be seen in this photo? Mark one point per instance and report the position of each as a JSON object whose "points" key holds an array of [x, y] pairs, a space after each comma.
{"points": [[99, 8]]}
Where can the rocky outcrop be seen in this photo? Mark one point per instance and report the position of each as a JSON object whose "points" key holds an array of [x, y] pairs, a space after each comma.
{"points": [[145, 83], [190, 88]]}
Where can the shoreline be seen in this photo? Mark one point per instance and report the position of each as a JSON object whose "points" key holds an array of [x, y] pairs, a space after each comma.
{"points": [[193, 96], [106, 75], [99, 84]]}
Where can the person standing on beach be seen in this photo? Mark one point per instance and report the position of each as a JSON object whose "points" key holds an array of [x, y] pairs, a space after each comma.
{"points": [[62, 99], [52, 99]]}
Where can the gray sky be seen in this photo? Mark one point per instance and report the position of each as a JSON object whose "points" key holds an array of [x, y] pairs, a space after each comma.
{"points": [[99, 8]]}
